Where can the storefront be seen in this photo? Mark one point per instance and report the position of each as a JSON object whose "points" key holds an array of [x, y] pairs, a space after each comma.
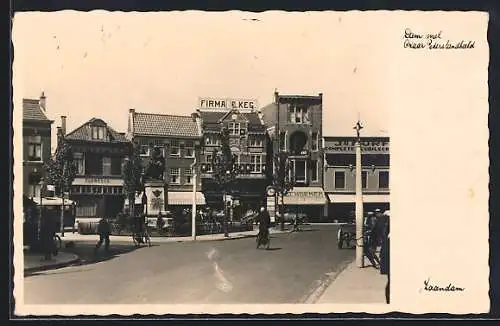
{"points": [[311, 201]]}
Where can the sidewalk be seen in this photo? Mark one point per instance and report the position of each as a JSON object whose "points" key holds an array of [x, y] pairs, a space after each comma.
{"points": [[356, 285], [34, 263], [127, 238]]}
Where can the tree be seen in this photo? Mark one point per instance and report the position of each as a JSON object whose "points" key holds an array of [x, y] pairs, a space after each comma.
{"points": [[282, 182], [61, 171], [225, 171], [132, 177]]}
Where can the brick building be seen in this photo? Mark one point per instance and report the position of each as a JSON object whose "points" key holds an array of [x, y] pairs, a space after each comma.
{"points": [[340, 174], [294, 125], [179, 139], [248, 142], [36, 144], [99, 153]]}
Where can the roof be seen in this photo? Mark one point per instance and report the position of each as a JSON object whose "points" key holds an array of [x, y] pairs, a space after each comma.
{"points": [[212, 118], [152, 124], [84, 132], [32, 111]]}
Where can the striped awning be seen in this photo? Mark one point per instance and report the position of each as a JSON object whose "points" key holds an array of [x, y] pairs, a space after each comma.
{"points": [[351, 198], [306, 196], [185, 198]]}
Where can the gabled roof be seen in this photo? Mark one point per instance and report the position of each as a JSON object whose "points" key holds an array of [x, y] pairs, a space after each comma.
{"points": [[152, 124], [84, 132], [32, 111], [211, 119]]}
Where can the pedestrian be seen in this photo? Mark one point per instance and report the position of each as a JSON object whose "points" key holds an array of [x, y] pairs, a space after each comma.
{"points": [[47, 234], [160, 223], [369, 243], [264, 222], [384, 257], [104, 230]]}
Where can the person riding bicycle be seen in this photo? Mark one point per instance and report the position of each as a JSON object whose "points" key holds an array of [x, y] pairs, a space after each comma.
{"points": [[139, 226], [264, 223]]}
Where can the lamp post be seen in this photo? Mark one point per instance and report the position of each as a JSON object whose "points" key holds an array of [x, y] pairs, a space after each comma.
{"points": [[193, 209], [359, 200]]}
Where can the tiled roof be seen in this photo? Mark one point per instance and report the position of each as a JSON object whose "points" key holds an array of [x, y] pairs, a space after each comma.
{"points": [[32, 111], [84, 132], [211, 120], [152, 124]]}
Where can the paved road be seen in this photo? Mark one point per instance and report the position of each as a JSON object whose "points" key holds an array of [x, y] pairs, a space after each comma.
{"points": [[212, 272]]}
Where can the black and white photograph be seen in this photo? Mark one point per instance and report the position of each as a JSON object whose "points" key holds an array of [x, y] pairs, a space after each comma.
{"points": [[199, 160]]}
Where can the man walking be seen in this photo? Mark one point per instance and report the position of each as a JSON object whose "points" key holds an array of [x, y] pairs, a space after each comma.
{"points": [[384, 258], [104, 230]]}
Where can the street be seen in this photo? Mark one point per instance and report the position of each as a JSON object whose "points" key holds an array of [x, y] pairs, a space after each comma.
{"points": [[205, 272]]}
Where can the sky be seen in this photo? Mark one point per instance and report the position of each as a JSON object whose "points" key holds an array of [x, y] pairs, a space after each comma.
{"points": [[101, 64]]}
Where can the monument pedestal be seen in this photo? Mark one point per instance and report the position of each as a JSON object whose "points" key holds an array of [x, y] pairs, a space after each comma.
{"points": [[157, 197]]}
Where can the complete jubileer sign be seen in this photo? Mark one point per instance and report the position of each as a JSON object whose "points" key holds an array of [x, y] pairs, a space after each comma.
{"points": [[348, 146], [227, 103]]}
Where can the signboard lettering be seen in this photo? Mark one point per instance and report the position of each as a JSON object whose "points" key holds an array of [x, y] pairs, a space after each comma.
{"points": [[96, 180], [227, 103], [348, 146]]}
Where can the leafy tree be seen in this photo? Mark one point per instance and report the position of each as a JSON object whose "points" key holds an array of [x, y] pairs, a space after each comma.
{"points": [[61, 171], [132, 177], [225, 171], [282, 182]]}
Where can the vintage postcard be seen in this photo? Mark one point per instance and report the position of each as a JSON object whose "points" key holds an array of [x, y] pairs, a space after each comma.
{"points": [[237, 162]]}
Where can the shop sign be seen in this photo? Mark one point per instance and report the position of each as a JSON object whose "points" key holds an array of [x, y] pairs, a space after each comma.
{"points": [[348, 146], [97, 181], [226, 103]]}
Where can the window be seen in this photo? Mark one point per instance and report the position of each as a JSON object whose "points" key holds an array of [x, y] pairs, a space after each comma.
{"points": [[175, 176], [383, 179], [34, 148], [283, 141], [116, 165], [299, 170], [98, 132], [188, 174], [106, 165], [364, 179], [93, 164], [234, 128], [174, 147], [339, 180], [314, 171], [79, 160], [144, 150], [256, 163], [298, 115], [208, 160], [314, 141], [255, 141], [189, 148], [211, 140]]}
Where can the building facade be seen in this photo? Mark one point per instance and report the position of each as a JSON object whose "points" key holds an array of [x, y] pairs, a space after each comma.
{"points": [[36, 145], [294, 125], [99, 152], [248, 142], [340, 174], [179, 138]]}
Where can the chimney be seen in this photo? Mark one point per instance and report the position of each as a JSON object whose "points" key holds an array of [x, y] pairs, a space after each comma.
{"points": [[43, 101], [130, 125], [63, 125], [321, 95], [276, 96]]}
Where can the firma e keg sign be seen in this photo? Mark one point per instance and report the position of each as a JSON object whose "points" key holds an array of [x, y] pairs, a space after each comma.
{"points": [[226, 103]]}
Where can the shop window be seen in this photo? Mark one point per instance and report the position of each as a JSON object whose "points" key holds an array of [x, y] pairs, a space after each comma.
{"points": [[339, 180], [364, 179], [174, 176], [383, 179]]}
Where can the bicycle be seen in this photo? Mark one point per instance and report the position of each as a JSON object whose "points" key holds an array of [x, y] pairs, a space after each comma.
{"points": [[141, 238], [57, 242]]}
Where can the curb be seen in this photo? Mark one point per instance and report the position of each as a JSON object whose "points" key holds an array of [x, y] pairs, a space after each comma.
{"points": [[36, 269]]}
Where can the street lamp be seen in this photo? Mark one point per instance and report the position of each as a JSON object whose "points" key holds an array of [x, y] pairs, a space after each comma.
{"points": [[193, 208], [359, 200]]}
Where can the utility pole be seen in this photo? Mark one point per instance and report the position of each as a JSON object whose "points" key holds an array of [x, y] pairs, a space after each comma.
{"points": [[359, 200]]}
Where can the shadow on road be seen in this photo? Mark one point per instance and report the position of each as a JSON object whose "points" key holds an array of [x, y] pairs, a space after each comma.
{"points": [[88, 255], [273, 249]]}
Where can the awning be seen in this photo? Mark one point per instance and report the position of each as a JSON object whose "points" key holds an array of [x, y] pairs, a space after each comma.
{"points": [[53, 201], [351, 198], [305, 196], [185, 198]]}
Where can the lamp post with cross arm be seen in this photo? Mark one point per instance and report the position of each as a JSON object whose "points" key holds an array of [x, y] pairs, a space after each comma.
{"points": [[359, 199]]}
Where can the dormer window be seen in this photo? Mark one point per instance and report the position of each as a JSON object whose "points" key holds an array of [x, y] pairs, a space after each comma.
{"points": [[98, 132], [234, 128]]}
